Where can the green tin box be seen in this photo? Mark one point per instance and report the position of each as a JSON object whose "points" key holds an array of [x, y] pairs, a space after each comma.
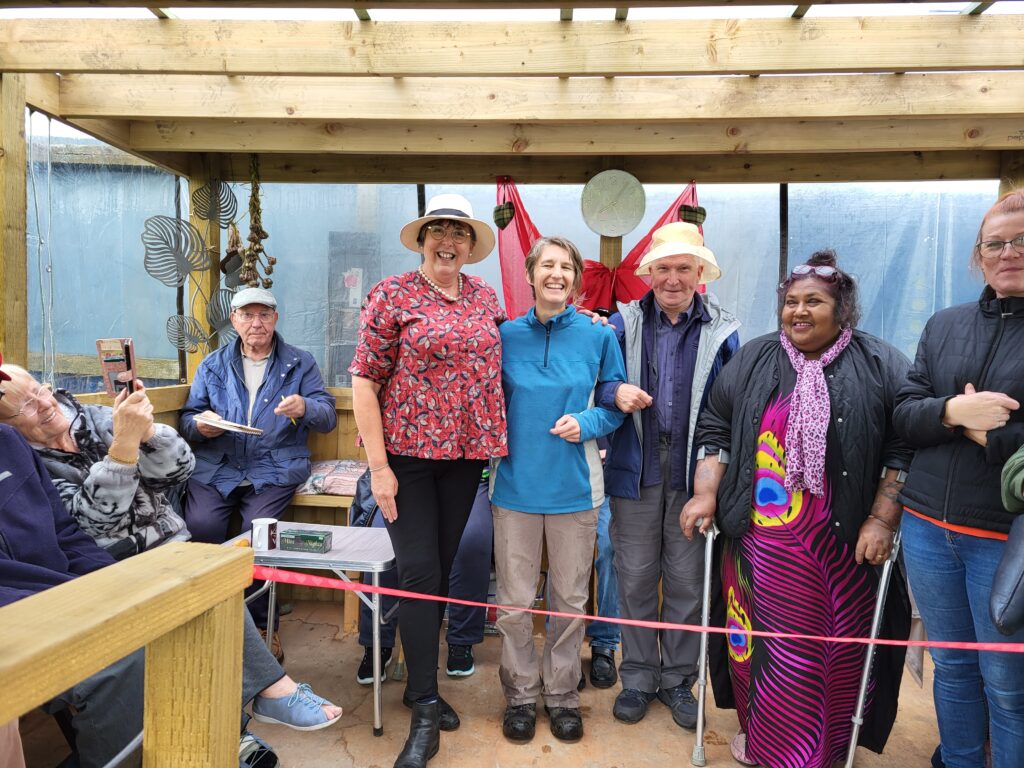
{"points": [[305, 541]]}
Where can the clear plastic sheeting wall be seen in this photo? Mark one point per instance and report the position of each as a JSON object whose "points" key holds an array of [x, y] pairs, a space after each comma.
{"points": [[86, 206], [908, 244], [332, 242]]}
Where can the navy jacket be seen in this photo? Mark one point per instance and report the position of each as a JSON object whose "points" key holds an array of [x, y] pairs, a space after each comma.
{"points": [[40, 545], [277, 457]]}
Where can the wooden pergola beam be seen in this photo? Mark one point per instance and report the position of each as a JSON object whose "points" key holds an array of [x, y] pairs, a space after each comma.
{"points": [[495, 49], [631, 138], [656, 169], [643, 99], [13, 221]]}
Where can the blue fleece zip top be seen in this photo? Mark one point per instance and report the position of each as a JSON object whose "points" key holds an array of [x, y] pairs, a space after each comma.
{"points": [[549, 370]]}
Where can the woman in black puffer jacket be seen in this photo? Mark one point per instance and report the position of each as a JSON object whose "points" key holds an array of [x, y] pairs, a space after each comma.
{"points": [[960, 408]]}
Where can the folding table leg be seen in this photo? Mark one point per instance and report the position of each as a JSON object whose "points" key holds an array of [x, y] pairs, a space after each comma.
{"points": [[378, 725]]}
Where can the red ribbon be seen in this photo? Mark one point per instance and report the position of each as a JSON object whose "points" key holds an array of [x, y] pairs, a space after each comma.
{"points": [[263, 573]]}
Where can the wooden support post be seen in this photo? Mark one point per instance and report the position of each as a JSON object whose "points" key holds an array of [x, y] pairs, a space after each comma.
{"points": [[13, 192], [1011, 171], [611, 251], [203, 286], [193, 686]]}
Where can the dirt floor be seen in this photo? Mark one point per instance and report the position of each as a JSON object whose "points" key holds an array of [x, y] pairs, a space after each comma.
{"points": [[318, 653]]}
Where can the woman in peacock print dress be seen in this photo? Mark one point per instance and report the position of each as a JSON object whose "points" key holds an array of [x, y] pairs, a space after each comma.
{"points": [[800, 467]]}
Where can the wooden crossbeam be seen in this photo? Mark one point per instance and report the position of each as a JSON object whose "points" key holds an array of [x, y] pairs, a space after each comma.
{"points": [[643, 99], [745, 169], [717, 46], [628, 138]]}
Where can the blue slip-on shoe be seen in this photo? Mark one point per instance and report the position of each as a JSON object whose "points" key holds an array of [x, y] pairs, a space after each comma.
{"points": [[301, 711]]}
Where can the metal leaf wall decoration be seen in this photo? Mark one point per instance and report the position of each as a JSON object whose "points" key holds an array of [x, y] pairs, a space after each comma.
{"points": [[174, 248], [218, 315], [214, 201], [185, 333]]}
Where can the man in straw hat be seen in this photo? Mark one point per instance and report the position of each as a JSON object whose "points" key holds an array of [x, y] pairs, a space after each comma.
{"points": [[674, 341]]}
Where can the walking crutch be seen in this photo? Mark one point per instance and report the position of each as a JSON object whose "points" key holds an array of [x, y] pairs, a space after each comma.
{"points": [[869, 657], [697, 758]]}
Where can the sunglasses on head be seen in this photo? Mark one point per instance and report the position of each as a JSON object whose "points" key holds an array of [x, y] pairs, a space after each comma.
{"points": [[825, 272]]}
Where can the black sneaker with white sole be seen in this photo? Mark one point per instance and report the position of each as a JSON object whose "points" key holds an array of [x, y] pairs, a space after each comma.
{"points": [[460, 661], [365, 674]]}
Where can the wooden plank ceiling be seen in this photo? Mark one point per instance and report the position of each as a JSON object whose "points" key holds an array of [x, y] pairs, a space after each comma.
{"points": [[753, 99]]}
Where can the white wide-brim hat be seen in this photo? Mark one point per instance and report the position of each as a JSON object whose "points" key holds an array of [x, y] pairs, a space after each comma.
{"points": [[680, 238], [455, 208]]}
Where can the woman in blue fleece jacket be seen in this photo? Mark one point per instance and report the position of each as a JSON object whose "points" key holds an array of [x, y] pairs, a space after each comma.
{"points": [[550, 486]]}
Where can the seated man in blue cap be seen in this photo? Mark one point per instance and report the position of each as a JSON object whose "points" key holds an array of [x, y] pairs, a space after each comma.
{"points": [[258, 381]]}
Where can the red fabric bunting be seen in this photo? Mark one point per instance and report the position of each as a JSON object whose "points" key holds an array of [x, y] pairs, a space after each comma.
{"points": [[601, 283], [514, 243]]}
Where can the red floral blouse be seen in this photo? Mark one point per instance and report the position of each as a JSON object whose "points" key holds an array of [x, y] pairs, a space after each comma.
{"points": [[439, 364]]}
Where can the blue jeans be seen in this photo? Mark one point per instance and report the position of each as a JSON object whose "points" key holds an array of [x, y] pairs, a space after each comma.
{"points": [[470, 579], [951, 575], [602, 634]]}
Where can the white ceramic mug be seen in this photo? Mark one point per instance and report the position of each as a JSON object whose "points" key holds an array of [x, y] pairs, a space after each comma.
{"points": [[264, 534]]}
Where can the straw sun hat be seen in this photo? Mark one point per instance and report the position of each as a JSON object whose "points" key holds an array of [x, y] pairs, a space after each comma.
{"points": [[455, 208], [680, 238]]}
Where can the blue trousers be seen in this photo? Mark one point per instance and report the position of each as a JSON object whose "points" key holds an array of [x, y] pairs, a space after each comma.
{"points": [[976, 694], [601, 634], [469, 580]]}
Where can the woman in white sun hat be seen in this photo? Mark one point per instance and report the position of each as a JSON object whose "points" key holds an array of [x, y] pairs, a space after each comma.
{"points": [[427, 398]]}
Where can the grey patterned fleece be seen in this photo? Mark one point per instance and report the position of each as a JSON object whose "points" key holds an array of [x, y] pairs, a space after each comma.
{"points": [[124, 508]]}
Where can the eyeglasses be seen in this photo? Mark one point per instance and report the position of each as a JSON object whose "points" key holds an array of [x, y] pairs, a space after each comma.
{"points": [[991, 250], [30, 407], [825, 272], [457, 233], [248, 317]]}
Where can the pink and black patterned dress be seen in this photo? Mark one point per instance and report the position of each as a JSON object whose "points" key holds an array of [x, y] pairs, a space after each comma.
{"points": [[439, 366], [791, 573]]}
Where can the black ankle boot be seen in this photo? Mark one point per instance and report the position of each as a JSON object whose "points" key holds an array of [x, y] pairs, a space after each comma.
{"points": [[424, 737]]}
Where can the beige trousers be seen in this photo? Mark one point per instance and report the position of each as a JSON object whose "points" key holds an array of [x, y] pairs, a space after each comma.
{"points": [[518, 541], [10, 746]]}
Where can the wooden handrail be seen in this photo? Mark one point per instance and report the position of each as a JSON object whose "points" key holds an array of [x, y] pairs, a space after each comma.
{"points": [[182, 601]]}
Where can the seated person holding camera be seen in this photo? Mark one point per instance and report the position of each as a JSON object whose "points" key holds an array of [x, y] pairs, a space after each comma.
{"points": [[114, 468]]}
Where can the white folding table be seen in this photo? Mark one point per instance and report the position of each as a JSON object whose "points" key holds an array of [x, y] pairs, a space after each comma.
{"points": [[352, 549]]}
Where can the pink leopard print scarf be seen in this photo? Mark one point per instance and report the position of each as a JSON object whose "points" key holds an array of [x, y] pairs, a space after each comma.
{"points": [[809, 413]]}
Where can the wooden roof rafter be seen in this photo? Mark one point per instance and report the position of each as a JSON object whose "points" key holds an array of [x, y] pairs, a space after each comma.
{"points": [[532, 49]]}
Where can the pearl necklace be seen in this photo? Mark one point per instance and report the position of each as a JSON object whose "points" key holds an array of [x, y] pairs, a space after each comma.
{"points": [[441, 290]]}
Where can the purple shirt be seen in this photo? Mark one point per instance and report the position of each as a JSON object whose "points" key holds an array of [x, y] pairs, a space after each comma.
{"points": [[667, 337]]}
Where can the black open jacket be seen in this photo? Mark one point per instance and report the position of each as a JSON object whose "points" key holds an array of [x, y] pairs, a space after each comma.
{"points": [[952, 478], [862, 386]]}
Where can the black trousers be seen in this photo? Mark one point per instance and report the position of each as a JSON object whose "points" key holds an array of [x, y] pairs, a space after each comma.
{"points": [[434, 499]]}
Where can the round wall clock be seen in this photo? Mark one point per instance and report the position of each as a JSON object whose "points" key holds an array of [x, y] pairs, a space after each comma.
{"points": [[613, 203]]}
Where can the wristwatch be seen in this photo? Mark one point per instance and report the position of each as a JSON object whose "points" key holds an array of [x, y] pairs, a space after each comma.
{"points": [[723, 455], [901, 474]]}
